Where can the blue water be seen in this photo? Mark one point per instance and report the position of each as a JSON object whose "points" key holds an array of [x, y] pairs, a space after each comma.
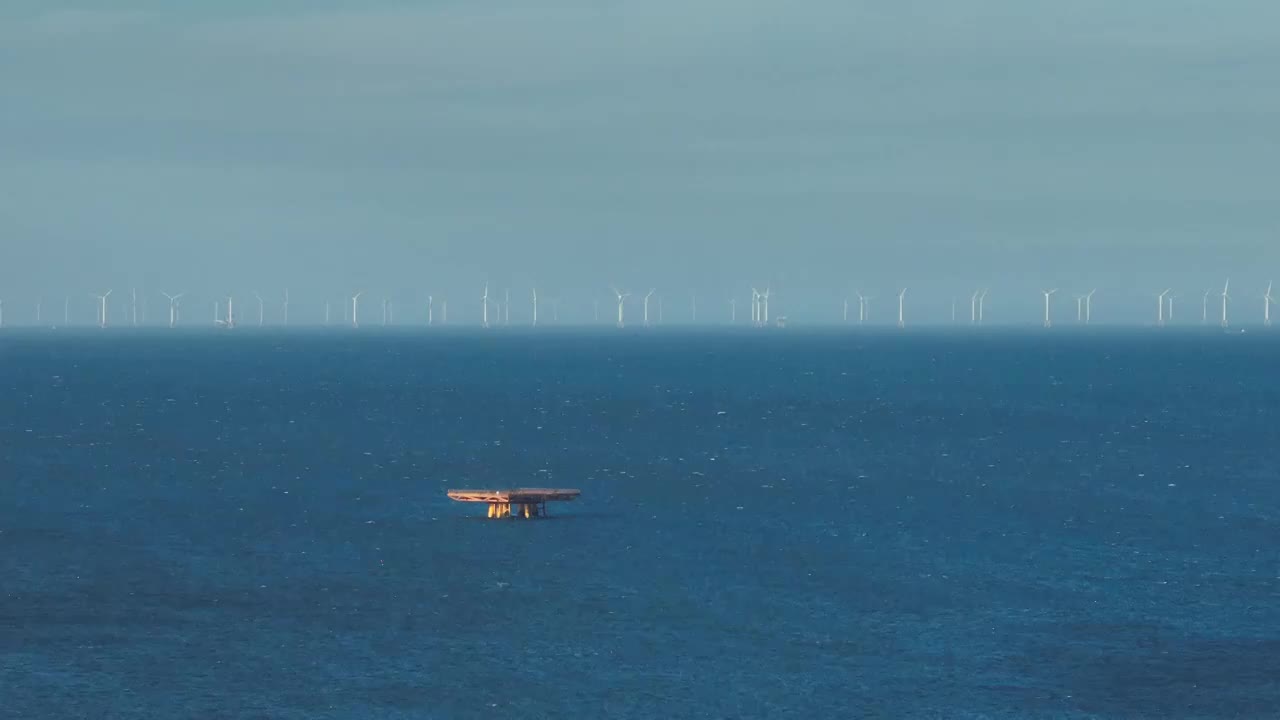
{"points": [[772, 525]]}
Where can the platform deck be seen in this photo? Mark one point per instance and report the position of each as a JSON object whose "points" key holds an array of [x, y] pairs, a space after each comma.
{"points": [[515, 495]]}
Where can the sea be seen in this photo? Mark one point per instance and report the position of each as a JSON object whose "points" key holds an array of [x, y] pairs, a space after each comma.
{"points": [[773, 524]]}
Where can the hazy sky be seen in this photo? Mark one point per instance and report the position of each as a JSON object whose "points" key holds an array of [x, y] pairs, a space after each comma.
{"points": [[819, 145]]}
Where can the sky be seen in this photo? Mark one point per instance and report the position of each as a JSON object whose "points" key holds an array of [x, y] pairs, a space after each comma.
{"points": [[692, 146]]}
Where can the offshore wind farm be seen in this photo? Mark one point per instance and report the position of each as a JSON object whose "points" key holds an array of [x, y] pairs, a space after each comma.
{"points": [[804, 308]]}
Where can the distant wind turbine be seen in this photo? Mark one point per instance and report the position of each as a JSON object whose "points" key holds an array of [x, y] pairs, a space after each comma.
{"points": [[733, 311], [133, 307], [902, 318], [173, 307], [1048, 294], [1080, 309], [646, 307], [755, 307], [535, 307], [982, 305], [622, 298], [431, 310], [355, 309], [102, 308], [1267, 301], [1160, 307], [1204, 307], [39, 307], [864, 307], [1225, 298], [1088, 306], [262, 309], [484, 321], [973, 308], [285, 317], [506, 308]]}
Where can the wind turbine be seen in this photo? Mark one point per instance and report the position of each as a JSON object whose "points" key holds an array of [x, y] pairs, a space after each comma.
{"points": [[286, 307], [764, 319], [844, 315], [953, 310], [102, 308], [1267, 300], [733, 311], [326, 312], [1225, 298], [1048, 294], [1079, 309], [755, 307], [262, 310], [973, 308], [982, 305], [133, 307], [1, 313], [1204, 307], [484, 321], [386, 310], [646, 307], [1088, 306], [622, 298], [1169, 315], [231, 317], [506, 308], [864, 303], [902, 320], [431, 310], [1160, 307], [355, 309], [535, 307], [173, 307]]}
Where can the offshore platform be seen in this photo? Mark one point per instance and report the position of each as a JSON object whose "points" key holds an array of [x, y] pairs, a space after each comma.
{"points": [[527, 502]]}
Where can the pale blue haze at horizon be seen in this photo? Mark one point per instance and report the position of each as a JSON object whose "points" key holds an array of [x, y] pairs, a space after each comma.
{"points": [[819, 147]]}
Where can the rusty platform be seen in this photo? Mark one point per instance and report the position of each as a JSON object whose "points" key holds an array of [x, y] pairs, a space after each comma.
{"points": [[527, 502]]}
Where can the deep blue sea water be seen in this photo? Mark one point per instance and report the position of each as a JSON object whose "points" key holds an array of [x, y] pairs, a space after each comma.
{"points": [[772, 525]]}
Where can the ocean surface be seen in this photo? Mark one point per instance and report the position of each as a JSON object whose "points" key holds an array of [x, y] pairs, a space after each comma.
{"points": [[772, 524]]}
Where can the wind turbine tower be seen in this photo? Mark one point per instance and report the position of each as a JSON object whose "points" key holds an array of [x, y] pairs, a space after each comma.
{"points": [[1267, 300], [484, 318], [173, 308], [902, 318], [262, 309], [1204, 307], [646, 307], [1088, 306], [535, 307], [1048, 294], [355, 309], [102, 308], [1160, 307], [286, 307], [733, 311], [1225, 298], [133, 307], [622, 298]]}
